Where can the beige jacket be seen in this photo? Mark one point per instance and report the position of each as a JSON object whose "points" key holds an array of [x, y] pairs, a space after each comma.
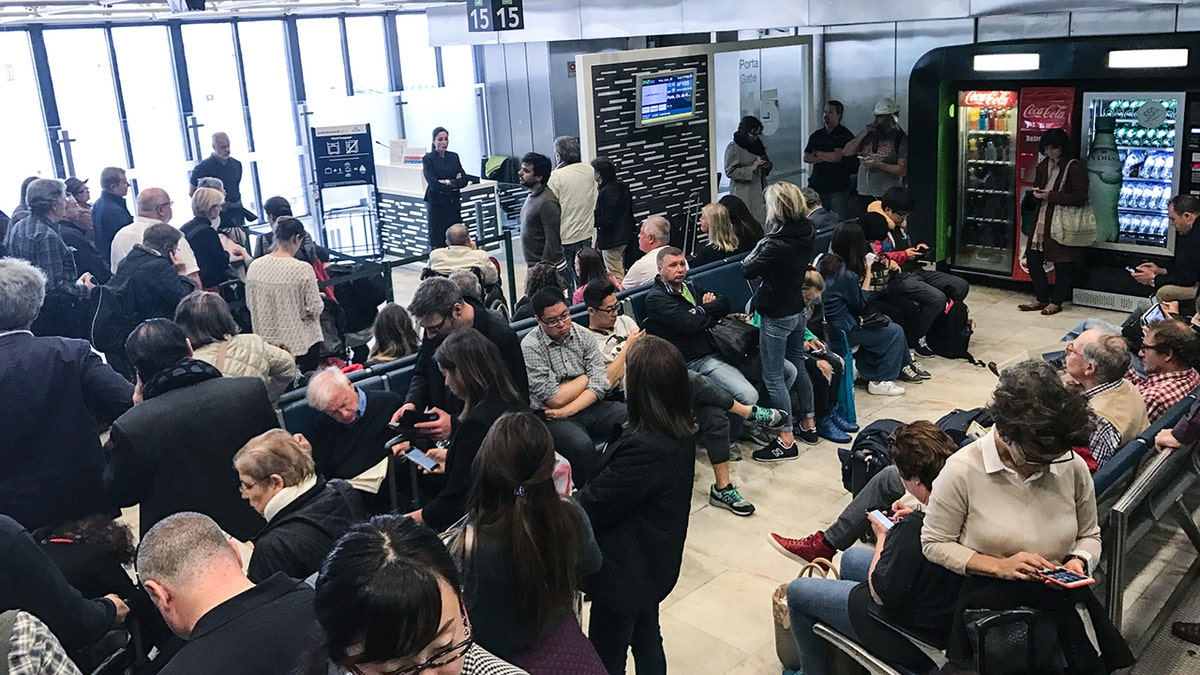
{"points": [[248, 355]]}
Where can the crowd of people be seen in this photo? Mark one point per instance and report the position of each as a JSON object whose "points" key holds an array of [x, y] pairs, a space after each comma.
{"points": [[554, 464]]}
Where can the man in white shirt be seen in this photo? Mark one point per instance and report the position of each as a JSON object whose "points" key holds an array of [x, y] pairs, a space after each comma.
{"points": [[153, 206], [574, 183], [460, 254], [654, 235]]}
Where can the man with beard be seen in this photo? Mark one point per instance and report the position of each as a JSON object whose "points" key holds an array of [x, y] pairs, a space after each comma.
{"points": [[882, 150]]}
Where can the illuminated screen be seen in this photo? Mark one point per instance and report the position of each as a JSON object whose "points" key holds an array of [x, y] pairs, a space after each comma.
{"points": [[666, 97]]}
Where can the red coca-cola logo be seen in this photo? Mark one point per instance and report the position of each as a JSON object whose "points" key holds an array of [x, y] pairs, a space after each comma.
{"points": [[1048, 112], [989, 99]]}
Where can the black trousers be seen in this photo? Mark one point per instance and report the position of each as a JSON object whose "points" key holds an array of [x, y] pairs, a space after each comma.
{"points": [[613, 634], [1064, 272], [441, 217]]}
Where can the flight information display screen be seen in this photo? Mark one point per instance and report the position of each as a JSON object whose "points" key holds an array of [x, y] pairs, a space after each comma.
{"points": [[666, 97]]}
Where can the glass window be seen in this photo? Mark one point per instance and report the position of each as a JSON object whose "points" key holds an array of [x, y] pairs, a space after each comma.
{"points": [[418, 65], [458, 65], [22, 110], [87, 105], [216, 96], [152, 112], [272, 115], [321, 58], [368, 54]]}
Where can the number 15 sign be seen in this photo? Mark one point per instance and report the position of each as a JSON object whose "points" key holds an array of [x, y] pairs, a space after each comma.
{"points": [[484, 16]]}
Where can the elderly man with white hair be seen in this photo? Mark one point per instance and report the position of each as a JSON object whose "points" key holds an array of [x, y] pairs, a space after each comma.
{"points": [[231, 625], [654, 236], [347, 441]]}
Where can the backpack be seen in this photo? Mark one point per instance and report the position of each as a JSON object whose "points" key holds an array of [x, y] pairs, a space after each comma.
{"points": [[112, 321], [950, 334], [868, 455], [957, 422]]}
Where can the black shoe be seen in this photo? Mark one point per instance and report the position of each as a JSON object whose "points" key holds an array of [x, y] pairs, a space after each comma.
{"points": [[909, 374], [922, 349], [775, 452], [809, 436], [730, 499]]}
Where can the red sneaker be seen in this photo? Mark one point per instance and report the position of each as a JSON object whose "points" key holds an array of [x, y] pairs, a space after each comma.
{"points": [[803, 550]]}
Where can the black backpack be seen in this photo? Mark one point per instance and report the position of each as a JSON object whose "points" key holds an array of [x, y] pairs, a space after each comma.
{"points": [[869, 454], [956, 423], [113, 321], [950, 334]]}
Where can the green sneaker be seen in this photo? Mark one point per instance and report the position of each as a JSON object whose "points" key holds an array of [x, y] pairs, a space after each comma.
{"points": [[770, 418], [730, 499]]}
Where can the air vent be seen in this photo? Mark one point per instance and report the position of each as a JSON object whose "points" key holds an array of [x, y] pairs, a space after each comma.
{"points": [[1113, 301]]}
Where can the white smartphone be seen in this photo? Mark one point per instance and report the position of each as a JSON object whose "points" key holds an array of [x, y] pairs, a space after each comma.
{"points": [[871, 257], [420, 459], [879, 517]]}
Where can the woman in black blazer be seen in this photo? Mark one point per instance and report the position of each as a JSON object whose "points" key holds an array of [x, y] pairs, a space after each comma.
{"points": [[638, 504], [444, 177], [202, 236], [468, 361]]}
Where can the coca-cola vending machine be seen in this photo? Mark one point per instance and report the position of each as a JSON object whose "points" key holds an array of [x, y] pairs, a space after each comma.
{"points": [[987, 127], [1041, 108]]}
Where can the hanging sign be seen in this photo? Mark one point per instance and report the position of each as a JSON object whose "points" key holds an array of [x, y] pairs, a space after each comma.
{"points": [[343, 156], [485, 16]]}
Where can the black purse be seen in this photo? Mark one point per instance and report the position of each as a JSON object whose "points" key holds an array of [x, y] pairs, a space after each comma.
{"points": [[733, 339], [873, 320], [1030, 206], [1014, 641]]}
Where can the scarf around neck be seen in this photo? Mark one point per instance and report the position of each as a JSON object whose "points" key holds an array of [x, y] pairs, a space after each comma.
{"points": [[186, 372], [754, 146]]}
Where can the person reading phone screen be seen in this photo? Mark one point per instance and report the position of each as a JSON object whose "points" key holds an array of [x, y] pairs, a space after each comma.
{"points": [[886, 226]]}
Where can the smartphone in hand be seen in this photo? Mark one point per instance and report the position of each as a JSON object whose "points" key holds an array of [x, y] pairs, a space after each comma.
{"points": [[881, 518], [421, 459], [1061, 576]]}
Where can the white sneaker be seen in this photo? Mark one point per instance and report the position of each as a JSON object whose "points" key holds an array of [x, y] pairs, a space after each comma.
{"points": [[885, 388]]}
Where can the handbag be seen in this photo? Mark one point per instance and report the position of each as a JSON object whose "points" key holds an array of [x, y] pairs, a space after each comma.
{"points": [[1014, 641], [733, 339], [873, 320], [1030, 206], [785, 642], [1073, 225]]}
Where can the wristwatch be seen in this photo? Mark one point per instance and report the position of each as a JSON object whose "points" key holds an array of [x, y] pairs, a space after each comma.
{"points": [[1081, 560]]}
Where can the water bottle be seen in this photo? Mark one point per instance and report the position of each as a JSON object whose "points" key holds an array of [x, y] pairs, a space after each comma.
{"points": [[1132, 159], [1104, 179]]}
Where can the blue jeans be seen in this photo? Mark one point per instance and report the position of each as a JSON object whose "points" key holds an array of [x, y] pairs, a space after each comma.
{"points": [[737, 380], [827, 601], [780, 339]]}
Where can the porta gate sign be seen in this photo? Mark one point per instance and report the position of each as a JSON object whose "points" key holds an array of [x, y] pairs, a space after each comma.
{"points": [[343, 156]]}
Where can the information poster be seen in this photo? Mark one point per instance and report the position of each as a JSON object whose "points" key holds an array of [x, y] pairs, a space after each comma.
{"points": [[343, 155]]}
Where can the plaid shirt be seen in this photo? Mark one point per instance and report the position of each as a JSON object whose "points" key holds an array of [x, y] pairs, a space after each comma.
{"points": [[551, 363], [1164, 390], [38, 241], [33, 649], [1105, 440]]}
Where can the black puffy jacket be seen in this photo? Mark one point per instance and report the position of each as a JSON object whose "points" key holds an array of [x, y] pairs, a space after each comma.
{"points": [[299, 537]]}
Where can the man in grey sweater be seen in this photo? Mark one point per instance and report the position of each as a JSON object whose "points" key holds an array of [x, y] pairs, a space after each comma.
{"points": [[540, 215]]}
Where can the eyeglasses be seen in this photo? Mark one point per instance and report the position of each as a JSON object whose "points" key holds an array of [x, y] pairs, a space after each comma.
{"points": [[443, 658], [1153, 348], [608, 310], [162, 205], [436, 328], [1070, 348], [243, 488], [557, 320]]}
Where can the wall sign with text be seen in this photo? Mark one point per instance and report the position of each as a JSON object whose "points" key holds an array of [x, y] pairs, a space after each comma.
{"points": [[485, 16], [343, 155]]}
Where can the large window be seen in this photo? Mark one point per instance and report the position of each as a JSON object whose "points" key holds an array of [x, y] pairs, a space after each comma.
{"points": [[272, 116], [368, 54], [155, 127], [27, 152], [216, 95], [458, 65], [87, 104], [418, 64]]}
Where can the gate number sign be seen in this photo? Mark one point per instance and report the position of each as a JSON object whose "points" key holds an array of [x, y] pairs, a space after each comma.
{"points": [[485, 16]]}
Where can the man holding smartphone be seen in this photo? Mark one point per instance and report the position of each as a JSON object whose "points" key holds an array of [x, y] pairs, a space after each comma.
{"points": [[1181, 280]]}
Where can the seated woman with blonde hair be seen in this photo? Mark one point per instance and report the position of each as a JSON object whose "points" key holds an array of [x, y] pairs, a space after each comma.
{"points": [[306, 514]]}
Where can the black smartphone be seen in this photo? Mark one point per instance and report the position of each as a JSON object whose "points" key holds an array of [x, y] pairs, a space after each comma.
{"points": [[411, 418]]}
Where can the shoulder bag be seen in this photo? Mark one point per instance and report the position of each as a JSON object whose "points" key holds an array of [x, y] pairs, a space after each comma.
{"points": [[1073, 225], [786, 648], [734, 340]]}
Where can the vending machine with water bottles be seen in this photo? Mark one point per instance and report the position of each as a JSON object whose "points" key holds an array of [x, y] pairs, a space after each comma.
{"points": [[1148, 133]]}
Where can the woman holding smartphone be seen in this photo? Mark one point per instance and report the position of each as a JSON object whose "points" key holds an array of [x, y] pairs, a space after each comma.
{"points": [[1060, 180], [1024, 471], [468, 361]]}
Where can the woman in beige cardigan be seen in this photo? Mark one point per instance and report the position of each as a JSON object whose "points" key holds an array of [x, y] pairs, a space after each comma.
{"points": [[216, 339], [1018, 501]]}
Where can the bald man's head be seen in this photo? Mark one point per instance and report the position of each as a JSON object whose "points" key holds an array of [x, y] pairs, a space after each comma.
{"points": [[457, 235], [154, 203]]}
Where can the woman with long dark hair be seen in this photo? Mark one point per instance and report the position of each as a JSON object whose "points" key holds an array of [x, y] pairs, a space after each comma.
{"points": [[589, 265], [528, 548], [444, 178], [747, 165], [747, 228], [395, 336], [1060, 180], [638, 504], [284, 299], [469, 362], [614, 217], [389, 600], [883, 351], [541, 275]]}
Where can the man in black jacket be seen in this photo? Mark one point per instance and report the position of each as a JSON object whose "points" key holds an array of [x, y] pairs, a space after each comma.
{"points": [[231, 625], [174, 450], [55, 393], [109, 212], [30, 582], [75, 233], [439, 308], [682, 312], [1180, 281]]}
